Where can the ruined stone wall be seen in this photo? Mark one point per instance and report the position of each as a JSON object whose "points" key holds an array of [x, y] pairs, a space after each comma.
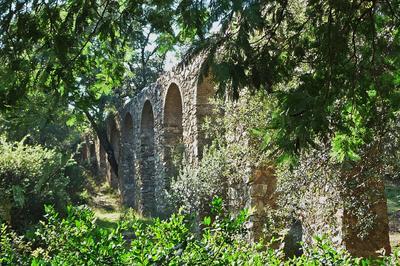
{"points": [[355, 218], [164, 119], [88, 152]]}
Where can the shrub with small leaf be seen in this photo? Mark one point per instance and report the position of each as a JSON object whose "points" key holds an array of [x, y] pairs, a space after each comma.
{"points": [[77, 239], [30, 176], [14, 249]]}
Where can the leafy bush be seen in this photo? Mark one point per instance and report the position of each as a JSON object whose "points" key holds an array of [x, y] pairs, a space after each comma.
{"points": [[77, 181], [220, 242], [78, 240], [227, 164], [31, 176], [196, 186], [14, 249]]}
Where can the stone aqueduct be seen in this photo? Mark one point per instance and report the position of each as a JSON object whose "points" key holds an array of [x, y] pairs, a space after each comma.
{"points": [[167, 116], [162, 118]]}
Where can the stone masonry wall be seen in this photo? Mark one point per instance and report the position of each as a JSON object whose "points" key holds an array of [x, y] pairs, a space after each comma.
{"points": [[161, 120], [164, 119]]}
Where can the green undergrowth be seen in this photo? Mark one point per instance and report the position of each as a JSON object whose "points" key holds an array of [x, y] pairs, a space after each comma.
{"points": [[32, 176], [77, 239]]}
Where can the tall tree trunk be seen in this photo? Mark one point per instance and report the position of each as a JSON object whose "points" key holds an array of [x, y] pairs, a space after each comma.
{"points": [[102, 135]]}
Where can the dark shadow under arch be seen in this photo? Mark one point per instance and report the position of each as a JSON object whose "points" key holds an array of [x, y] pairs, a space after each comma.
{"points": [[147, 160], [115, 143], [173, 131]]}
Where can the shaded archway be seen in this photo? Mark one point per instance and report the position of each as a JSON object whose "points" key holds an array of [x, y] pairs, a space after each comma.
{"points": [[115, 143], [84, 152], [147, 164], [173, 131], [127, 162], [93, 158]]}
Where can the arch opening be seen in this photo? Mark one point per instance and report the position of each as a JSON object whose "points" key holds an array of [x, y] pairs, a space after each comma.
{"points": [[92, 156], [147, 161], [173, 132], [115, 143], [102, 160]]}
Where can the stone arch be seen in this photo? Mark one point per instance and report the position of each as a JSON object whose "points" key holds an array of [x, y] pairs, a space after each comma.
{"points": [[205, 91], [115, 143], [127, 161], [173, 131], [147, 160]]}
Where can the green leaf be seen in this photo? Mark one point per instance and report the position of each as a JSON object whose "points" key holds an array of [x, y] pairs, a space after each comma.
{"points": [[207, 220], [71, 121]]}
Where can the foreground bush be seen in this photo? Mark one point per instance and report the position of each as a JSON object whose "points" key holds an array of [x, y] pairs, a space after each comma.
{"points": [[31, 176], [77, 240]]}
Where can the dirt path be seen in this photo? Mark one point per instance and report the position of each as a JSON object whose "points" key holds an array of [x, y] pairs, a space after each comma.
{"points": [[105, 204]]}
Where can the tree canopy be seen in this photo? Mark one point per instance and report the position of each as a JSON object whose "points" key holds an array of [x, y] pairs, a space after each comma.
{"points": [[330, 67], [72, 55]]}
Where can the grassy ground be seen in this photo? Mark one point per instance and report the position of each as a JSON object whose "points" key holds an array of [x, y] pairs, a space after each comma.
{"points": [[393, 200], [106, 206]]}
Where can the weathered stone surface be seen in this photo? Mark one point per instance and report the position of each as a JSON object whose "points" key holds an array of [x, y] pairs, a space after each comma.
{"points": [[163, 120], [101, 160], [339, 215], [166, 118], [377, 238], [262, 197]]}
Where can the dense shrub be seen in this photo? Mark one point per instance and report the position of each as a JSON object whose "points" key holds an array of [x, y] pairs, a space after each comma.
{"points": [[78, 179], [77, 240], [31, 176], [229, 161], [14, 249], [196, 185], [356, 186]]}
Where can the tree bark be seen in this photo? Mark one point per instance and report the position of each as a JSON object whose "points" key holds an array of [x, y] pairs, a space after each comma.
{"points": [[104, 142]]}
